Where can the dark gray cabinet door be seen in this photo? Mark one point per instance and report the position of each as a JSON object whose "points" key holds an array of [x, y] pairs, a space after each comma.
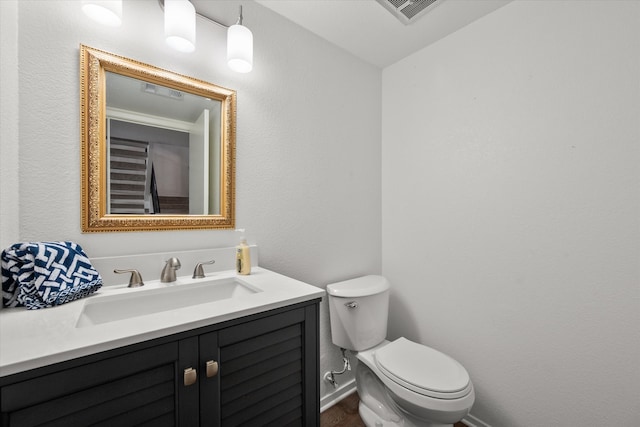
{"points": [[137, 388], [267, 372], [262, 371], [209, 398]]}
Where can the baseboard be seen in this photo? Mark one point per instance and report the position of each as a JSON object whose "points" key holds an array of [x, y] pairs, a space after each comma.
{"points": [[340, 393], [472, 421]]}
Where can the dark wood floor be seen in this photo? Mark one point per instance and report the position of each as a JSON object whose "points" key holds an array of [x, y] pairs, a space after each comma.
{"points": [[345, 414]]}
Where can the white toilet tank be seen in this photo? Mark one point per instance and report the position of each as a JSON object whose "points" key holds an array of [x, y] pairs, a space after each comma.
{"points": [[358, 309]]}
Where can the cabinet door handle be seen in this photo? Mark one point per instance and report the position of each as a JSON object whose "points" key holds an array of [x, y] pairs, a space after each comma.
{"points": [[190, 376], [212, 368]]}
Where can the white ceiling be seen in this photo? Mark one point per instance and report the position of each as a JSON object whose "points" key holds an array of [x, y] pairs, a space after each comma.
{"points": [[367, 30]]}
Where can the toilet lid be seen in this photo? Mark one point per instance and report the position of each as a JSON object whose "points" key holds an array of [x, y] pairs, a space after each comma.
{"points": [[358, 287], [421, 368]]}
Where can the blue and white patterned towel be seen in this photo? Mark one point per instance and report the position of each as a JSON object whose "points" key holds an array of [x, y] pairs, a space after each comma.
{"points": [[44, 274]]}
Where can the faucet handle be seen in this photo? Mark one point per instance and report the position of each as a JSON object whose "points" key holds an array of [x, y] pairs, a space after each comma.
{"points": [[135, 280], [198, 272]]}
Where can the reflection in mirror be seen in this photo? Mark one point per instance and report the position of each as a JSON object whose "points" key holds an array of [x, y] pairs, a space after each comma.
{"points": [[158, 148], [163, 147]]}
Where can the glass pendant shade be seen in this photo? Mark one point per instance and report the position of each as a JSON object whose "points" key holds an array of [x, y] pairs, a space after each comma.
{"points": [[240, 48], [180, 25], [107, 12]]}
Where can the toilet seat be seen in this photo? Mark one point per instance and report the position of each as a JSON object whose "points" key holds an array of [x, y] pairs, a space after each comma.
{"points": [[423, 370]]}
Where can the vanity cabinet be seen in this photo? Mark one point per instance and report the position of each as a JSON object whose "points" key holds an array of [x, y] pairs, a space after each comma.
{"points": [[137, 386], [258, 370]]}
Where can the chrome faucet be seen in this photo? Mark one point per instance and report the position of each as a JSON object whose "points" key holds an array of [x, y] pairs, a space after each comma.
{"points": [[169, 271]]}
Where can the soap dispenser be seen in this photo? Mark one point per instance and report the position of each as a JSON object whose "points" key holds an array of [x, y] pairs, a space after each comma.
{"points": [[243, 257]]}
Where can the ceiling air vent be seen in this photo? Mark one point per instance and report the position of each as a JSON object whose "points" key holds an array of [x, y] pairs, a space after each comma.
{"points": [[161, 91], [408, 11]]}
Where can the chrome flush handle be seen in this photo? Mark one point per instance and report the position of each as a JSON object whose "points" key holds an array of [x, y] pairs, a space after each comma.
{"points": [[351, 304]]}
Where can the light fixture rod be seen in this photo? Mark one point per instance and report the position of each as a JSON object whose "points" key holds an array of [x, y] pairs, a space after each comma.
{"points": [[205, 17]]}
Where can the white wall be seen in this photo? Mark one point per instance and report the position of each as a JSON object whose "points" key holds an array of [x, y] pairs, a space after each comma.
{"points": [[9, 184], [308, 139], [511, 209]]}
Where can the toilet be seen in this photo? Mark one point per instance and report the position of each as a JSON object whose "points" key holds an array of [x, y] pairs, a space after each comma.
{"points": [[400, 382]]}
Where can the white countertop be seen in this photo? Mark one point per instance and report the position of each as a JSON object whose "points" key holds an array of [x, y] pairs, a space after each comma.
{"points": [[33, 338]]}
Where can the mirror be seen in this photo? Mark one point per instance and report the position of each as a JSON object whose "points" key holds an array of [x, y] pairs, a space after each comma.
{"points": [[158, 148]]}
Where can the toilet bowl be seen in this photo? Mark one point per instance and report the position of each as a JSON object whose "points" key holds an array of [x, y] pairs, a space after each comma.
{"points": [[400, 382], [426, 387]]}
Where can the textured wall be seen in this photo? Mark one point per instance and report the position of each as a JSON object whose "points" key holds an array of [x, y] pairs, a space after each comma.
{"points": [[9, 184], [515, 179], [308, 139]]}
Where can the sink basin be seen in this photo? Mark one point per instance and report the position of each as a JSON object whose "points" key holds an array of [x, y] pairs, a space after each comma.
{"points": [[109, 308]]}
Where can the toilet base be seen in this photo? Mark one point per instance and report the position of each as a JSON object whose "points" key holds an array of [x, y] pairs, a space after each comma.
{"points": [[390, 405], [371, 419], [377, 407]]}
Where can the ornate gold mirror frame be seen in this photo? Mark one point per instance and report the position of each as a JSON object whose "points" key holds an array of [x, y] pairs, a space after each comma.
{"points": [[94, 64]]}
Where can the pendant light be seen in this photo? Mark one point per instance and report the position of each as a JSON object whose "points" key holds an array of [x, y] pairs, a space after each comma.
{"points": [[180, 28], [106, 12], [239, 47], [180, 25]]}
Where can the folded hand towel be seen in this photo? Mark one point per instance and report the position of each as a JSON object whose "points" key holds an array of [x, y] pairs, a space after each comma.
{"points": [[44, 274]]}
